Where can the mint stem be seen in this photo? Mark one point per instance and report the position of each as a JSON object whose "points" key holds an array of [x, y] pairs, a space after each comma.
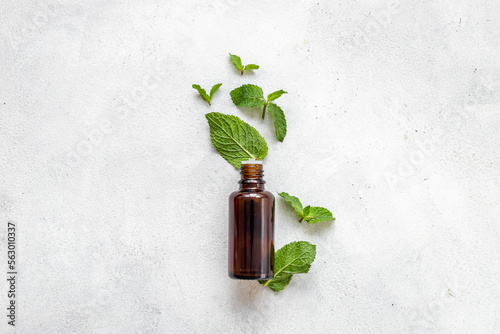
{"points": [[301, 219], [264, 111], [242, 72]]}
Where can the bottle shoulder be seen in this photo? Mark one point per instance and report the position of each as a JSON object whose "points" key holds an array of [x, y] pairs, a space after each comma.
{"points": [[251, 194]]}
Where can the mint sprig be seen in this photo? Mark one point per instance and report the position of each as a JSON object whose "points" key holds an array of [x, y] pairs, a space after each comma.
{"points": [[234, 139], [237, 63], [293, 258], [253, 96], [204, 94], [311, 214]]}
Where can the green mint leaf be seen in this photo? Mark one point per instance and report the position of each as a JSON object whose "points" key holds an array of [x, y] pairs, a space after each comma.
{"points": [[279, 120], [237, 62], [294, 202], [248, 96], [316, 214], [202, 92], [278, 283], [311, 214], [293, 258], [214, 89], [252, 96], [252, 67], [234, 139], [275, 95]]}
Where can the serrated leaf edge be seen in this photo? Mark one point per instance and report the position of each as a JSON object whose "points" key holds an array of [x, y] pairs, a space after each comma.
{"points": [[234, 140], [289, 263]]}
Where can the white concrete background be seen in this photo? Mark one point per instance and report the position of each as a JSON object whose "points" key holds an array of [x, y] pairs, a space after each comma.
{"points": [[121, 201]]}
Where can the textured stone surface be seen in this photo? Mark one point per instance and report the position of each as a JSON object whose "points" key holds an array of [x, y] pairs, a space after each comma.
{"points": [[107, 167]]}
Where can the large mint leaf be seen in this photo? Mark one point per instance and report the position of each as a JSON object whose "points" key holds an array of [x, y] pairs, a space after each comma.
{"points": [[293, 258], [279, 121], [234, 139], [248, 96]]}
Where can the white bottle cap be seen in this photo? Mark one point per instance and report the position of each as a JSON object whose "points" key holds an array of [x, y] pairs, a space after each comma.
{"points": [[252, 162]]}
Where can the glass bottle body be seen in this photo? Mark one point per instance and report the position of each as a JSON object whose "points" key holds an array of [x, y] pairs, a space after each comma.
{"points": [[251, 227]]}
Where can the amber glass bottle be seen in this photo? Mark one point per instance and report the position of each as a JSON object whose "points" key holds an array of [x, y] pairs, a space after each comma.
{"points": [[251, 226]]}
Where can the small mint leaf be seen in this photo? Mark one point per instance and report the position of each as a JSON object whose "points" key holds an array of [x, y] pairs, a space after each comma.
{"points": [[214, 89], [316, 214], [237, 62], [252, 67], [275, 95], [202, 92], [277, 283]]}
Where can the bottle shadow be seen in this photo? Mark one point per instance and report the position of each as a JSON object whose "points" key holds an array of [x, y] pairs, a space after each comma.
{"points": [[244, 293]]}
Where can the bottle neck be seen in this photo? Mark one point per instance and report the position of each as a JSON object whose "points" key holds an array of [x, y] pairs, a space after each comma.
{"points": [[251, 177]]}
